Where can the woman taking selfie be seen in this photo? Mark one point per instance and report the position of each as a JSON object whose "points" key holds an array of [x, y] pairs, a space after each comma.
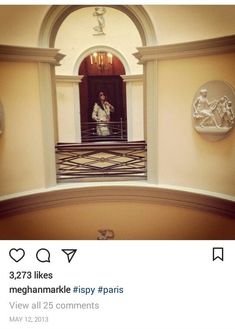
{"points": [[101, 114]]}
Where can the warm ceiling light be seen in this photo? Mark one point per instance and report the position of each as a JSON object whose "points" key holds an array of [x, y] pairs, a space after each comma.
{"points": [[102, 60]]}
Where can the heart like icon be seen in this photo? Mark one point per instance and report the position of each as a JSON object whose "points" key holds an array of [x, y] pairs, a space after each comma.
{"points": [[17, 254]]}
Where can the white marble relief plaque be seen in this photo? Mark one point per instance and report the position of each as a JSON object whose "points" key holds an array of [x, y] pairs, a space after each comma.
{"points": [[213, 109]]}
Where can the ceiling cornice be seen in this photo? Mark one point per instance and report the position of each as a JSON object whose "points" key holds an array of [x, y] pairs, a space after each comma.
{"points": [[30, 54], [187, 49]]}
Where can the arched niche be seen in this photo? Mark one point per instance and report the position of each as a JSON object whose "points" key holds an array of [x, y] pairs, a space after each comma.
{"points": [[57, 14]]}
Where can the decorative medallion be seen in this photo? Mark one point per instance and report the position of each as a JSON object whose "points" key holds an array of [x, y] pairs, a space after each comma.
{"points": [[105, 234], [213, 109]]}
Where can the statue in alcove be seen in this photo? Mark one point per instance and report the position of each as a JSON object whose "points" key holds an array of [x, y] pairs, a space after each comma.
{"points": [[99, 14]]}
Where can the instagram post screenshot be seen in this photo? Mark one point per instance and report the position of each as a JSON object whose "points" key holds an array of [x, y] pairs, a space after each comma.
{"points": [[117, 165]]}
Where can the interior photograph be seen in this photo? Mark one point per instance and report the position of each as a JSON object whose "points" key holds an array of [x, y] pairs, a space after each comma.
{"points": [[117, 122]]}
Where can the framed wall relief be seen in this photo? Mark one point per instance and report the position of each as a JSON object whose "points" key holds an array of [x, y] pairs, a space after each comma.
{"points": [[213, 109]]}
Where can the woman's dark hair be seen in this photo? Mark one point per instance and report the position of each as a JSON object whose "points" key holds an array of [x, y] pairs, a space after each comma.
{"points": [[98, 101]]}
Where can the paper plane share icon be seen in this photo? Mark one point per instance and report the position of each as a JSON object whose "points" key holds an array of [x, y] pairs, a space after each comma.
{"points": [[69, 253]]}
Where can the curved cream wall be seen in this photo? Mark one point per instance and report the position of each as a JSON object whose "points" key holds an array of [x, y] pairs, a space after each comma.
{"points": [[132, 212], [128, 220], [68, 112], [183, 23], [21, 148], [186, 158], [20, 25]]}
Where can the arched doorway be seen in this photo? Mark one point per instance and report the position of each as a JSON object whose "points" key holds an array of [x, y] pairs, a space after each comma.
{"points": [[77, 44], [142, 26], [102, 71]]}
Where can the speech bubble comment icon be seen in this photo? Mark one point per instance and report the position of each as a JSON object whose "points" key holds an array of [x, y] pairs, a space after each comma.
{"points": [[43, 255], [17, 254]]}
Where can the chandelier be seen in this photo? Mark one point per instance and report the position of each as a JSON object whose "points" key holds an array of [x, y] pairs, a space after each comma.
{"points": [[102, 60]]}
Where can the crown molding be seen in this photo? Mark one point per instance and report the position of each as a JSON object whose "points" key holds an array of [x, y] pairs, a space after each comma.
{"points": [[69, 78], [133, 78], [215, 46], [30, 54], [157, 195]]}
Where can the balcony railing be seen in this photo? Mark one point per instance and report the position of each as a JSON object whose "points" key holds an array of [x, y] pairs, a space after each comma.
{"points": [[124, 160], [117, 131]]}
